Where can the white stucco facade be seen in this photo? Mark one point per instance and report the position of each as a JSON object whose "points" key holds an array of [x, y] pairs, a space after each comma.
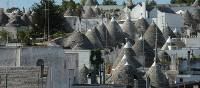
{"points": [[139, 11], [170, 19]]}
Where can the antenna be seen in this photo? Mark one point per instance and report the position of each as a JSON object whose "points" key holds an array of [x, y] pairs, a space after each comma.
{"points": [[156, 42], [45, 17], [48, 22]]}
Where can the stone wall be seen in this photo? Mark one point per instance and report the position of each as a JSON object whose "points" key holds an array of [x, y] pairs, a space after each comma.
{"points": [[100, 86], [8, 56], [22, 77], [53, 57]]}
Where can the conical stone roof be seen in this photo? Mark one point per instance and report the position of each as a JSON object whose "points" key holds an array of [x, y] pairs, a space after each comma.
{"points": [[33, 14], [26, 19], [164, 57], [16, 21], [12, 15], [83, 75], [3, 18], [196, 3], [129, 28], [77, 40], [167, 43], [156, 76], [69, 12], [167, 32], [115, 31], [150, 36], [97, 10], [28, 12], [196, 15], [141, 25], [141, 47], [129, 4], [126, 72], [176, 32], [188, 20], [124, 75], [90, 3], [106, 38], [126, 50], [89, 13], [98, 34], [92, 36]]}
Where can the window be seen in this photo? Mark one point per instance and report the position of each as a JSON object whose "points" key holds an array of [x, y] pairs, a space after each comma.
{"points": [[181, 79]]}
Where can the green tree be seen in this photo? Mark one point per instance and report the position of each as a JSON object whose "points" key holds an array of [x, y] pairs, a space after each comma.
{"points": [[24, 35], [10, 10], [76, 7], [47, 12], [96, 60], [4, 35], [68, 5]]}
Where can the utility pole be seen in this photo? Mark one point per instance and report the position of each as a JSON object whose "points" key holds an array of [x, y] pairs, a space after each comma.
{"points": [[45, 17]]}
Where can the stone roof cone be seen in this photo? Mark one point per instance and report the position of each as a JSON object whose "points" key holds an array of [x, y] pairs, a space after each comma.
{"points": [[141, 47], [89, 13], [26, 19], [164, 57], [115, 31], [83, 73], [69, 12], [196, 3], [150, 36], [157, 77], [188, 20], [127, 49], [126, 71], [92, 36], [124, 74], [90, 3], [176, 32], [141, 25], [129, 28], [166, 45], [106, 38], [77, 40], [167, 32], [196, 15], [97, 10], [16, 21], [129, 4], [3, 18]]}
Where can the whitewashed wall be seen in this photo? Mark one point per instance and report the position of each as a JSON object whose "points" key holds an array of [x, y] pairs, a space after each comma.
{"points": [[172, 20], [138, 11], [54, 57], [192, 42], [83, 57]]}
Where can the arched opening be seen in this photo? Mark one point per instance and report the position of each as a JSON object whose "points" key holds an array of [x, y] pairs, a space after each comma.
{"points": [[40, 62]]}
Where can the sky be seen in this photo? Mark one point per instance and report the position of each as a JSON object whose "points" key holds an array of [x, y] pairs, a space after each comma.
{"points": [[28, 3]]}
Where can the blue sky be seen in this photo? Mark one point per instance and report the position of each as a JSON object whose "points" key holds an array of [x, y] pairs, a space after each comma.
{"points": [[28, 3]]}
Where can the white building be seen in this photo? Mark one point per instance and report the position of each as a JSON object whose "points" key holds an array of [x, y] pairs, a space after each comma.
{"points": [[139, 11], [170, 19]]}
